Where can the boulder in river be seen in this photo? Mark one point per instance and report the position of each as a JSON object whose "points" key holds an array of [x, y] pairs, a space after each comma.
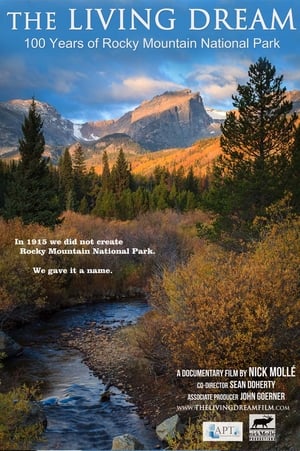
{"points": [[105, 396], [169, 427], [126, 442], [8, 346]]}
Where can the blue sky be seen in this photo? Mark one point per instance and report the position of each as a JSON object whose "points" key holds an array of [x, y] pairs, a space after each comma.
{"points": [[102, 83]]}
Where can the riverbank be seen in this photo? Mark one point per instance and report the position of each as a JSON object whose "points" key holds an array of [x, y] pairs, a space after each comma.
{"points": [[112, 356], [70, 393]]}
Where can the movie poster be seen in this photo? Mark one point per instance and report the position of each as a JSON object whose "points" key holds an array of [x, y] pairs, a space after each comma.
{"points": [[150, 227]]}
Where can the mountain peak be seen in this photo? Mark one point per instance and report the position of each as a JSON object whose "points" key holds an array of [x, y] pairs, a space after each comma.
{"points": [[163, 102], [171, 119], [57, 130], [23, 105]]}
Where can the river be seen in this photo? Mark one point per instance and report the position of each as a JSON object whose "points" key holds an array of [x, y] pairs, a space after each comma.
{"points": [[77, 419]]}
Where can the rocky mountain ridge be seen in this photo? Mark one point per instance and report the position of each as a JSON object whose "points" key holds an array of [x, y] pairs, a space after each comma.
{"points": [[174, 119], [57, 130]]}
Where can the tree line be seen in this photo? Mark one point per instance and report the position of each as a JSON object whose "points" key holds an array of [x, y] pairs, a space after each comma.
{"points": [[37, 191], [118, 194]]}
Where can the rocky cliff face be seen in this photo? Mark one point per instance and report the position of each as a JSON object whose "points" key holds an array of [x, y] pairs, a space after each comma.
{"points": [[173, 119], [170, 120], [57, 130]]}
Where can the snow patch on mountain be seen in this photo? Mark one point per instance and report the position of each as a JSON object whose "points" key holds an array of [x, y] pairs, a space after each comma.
{"points": [[216, 115], [78, 135]]}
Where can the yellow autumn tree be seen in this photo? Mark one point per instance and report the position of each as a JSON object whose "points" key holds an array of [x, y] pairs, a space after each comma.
{"points": [[232, 310]]}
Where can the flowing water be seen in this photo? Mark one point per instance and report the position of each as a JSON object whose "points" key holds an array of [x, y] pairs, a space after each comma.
{"points": [[77, 419]]}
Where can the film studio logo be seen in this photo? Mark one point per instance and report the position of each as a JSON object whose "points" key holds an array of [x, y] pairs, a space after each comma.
{"points": [[222, 431], [262, 428]]}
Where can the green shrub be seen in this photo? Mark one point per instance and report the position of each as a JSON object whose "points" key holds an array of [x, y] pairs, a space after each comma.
{"points": [[14, 407]]}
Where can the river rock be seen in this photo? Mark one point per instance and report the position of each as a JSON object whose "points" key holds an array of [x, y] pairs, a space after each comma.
{"points": [[169, 427], [8, 346], [105, 396], [126, 442]]}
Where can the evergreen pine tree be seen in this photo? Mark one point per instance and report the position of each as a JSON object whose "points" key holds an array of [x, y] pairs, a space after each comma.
{"points": [[70, 201], [191, 183], [191, 201], [91, 188], [125, 205], [179, 179], [140, 201], [4, 179], [173, 197], [121, 175], [105, 178], [79, 172], [253, 169], [66, 179], [32, 194], [84, 207], [105, 205], [160, 196], [79, 165]]}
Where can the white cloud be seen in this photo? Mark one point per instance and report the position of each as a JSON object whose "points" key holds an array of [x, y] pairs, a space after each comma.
{"points": [[141, 87], [217, 83], [292, 76], [15, 73], [64, 81]]}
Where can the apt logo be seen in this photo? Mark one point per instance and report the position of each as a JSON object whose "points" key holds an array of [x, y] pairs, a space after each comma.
{"points": [[222, 431]]}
